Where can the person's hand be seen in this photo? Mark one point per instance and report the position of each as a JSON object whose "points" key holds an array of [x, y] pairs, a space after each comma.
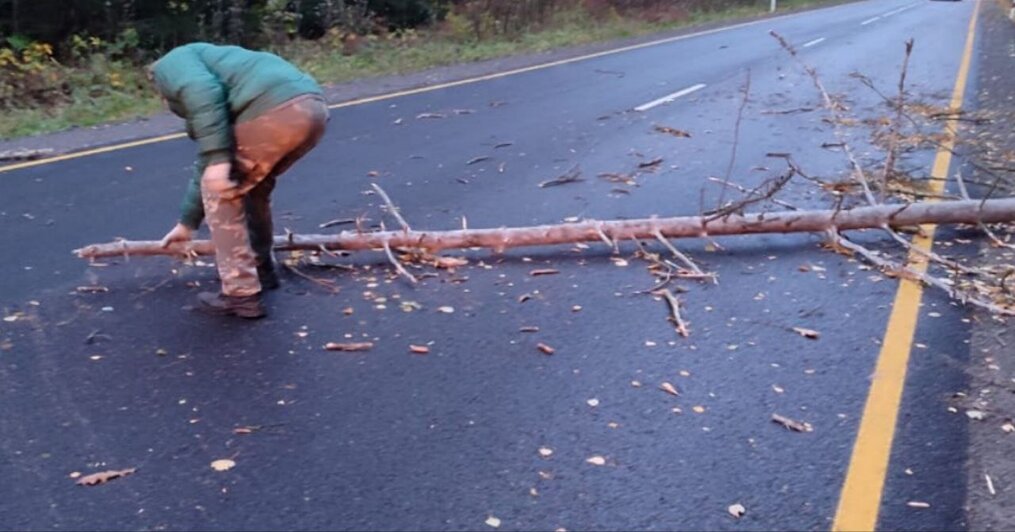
{"points": [[179, 233], [216, 178]]}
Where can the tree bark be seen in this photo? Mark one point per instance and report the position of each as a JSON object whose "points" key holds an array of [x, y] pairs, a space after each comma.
{"points": [[931, 212]]}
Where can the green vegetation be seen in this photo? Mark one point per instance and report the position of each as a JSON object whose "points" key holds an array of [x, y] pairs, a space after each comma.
{"points": [[84, 79]]}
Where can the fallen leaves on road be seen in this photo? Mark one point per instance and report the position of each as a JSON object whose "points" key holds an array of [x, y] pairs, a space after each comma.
{"points": [[450, 262], [596, 460], [673, 131], [669, 388], [737, 510], [105, 476], [446, 309], [976, 415], [792, 424], [419, 349], [224, 464], [429, 115], [593, 402], [544, 271], [529, 329], [918, 504], [651, 165], [572, 176], [547, 350], [479, 159], [349, 346], [807, 333], [1008, 427], [95, 289], [545, 452], [492, 522]]}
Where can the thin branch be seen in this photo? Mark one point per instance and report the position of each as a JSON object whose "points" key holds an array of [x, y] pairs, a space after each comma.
{"points": [[930, 280], [736, 138], [392, 209], [398, 265], [674, 304]]}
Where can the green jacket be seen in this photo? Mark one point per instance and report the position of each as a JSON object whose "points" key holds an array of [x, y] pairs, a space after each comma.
{"points": [[214, 87]]}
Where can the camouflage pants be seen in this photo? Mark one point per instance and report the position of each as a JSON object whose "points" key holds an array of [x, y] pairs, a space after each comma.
{"points": [[240, 217]]}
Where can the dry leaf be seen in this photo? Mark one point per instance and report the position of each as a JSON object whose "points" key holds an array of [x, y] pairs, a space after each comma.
{"points": [[737, 510], [807, 333], [479, 159], [792, 424], [105, 476], [593, 402], [976, 415], [419, 349], [95, 289], [446, 309], [429, 115], [596, 460], [617, 261], [351, 346], [492, 522], [245, 430], [546, 271], [545, 452], [450, 262], [698, 409], [529, 329], [545, 348], [669, 388], [224, 464], [918, 504], [1008, 427], [673, 131], [654, 163]]}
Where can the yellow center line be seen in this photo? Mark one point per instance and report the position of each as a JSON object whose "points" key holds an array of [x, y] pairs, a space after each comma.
{"points": [[865, 478]]}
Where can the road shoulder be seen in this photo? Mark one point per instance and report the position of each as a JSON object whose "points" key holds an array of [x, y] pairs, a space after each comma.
{"points": [[990, 504], [77, 139]]}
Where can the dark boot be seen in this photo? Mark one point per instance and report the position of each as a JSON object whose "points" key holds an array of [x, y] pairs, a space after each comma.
{"points": [[268, 277], [218, 304]]}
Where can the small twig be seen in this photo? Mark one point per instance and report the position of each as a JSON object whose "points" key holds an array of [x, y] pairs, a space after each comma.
{"points": [[609, 242], [736, 138], [572, 176], [339, 221], [893, 130], [398, 265], [743, 189], [325, 283], [674, 304], [696, 272], [392, 209], [964, 192]]}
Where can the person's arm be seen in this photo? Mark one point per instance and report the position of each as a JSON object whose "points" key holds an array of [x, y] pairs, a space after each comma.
{"points": [[202, 100]]}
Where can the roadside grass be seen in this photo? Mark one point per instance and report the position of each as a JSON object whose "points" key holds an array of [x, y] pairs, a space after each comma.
{"points": [[375, 57]]}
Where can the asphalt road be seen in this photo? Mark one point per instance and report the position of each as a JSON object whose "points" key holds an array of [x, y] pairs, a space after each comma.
{"points": [[390, 440]]}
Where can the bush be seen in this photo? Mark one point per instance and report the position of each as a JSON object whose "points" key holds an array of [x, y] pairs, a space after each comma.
{"points": [[30, 76]]}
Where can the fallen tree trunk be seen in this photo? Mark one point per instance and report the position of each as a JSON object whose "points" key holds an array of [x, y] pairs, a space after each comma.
{"points": [[939, 212]]}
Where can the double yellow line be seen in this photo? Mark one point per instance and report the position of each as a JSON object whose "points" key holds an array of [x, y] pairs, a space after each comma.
{"points": [[865, 479]]}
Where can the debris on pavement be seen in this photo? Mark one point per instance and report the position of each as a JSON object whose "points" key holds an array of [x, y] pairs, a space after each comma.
{"points": [[669, 388], [792, 424], [105, 476], [596, 460], [349, 346], [547, 350], [419, 349], [224, 464], [807, 333], [672, 131], [737, 510], [572, 176]]}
